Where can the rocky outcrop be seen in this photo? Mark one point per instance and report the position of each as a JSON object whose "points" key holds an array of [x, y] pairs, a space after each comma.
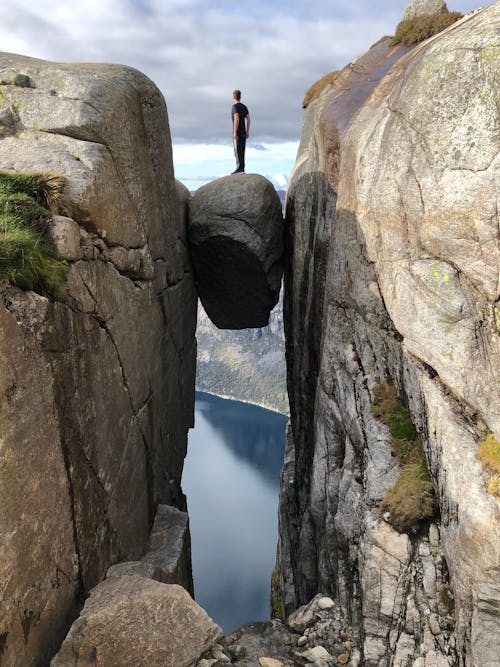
{"points": [[136, 621], [97, 386], [419, 7], [314, 634], [236, 240], [393, 273]]}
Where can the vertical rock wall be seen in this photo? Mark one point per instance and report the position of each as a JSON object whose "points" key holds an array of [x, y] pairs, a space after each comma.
{"points": [[393, 272], [97, 387]]}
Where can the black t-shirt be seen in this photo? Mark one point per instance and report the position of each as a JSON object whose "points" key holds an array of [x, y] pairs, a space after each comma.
{"points": [[240, 109]]}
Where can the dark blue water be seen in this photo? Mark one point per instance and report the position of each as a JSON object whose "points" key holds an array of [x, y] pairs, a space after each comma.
{"points": [[231, 480]]}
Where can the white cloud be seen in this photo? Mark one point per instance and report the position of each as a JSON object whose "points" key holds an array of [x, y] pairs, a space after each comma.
{"points": [[198, 52]]}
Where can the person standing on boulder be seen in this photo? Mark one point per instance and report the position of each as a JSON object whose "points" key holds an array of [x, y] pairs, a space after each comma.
{"points": [[241, 131]]}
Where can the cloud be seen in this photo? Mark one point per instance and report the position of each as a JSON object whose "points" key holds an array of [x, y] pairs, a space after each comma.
{"points": [[198, 52]]}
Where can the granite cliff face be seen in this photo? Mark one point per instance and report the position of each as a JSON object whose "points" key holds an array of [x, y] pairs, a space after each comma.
{"points": [[97, 387], [392, 276]]}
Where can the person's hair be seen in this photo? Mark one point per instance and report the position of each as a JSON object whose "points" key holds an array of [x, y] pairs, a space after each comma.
{"points": [[237, 94]]}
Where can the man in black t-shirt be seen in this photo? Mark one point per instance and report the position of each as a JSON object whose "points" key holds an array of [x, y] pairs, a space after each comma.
{"points": [[241, 131]]}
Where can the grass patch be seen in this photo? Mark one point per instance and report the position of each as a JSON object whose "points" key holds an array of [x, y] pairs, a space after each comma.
{"points": [[489, 455], [317, 88], [411, 501], [27, 259], [419, 28]]}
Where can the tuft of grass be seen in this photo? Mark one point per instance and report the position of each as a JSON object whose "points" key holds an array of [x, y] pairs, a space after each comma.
{"points": [[317, 88], [489, 455], [388, 409], [419, 28], [381, 40], [411, 501], [45, 189], [27, 259]]}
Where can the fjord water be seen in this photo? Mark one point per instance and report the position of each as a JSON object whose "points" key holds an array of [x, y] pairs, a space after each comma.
{"points": [[231, 480]]}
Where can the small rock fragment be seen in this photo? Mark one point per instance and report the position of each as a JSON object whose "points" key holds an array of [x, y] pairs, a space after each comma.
{"points": [[343, 658], [325, 603], [270, 662], [316, 654], [65, 235]]}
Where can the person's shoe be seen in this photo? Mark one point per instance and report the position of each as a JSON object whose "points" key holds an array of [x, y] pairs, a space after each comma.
{"points": [[238, 171]]}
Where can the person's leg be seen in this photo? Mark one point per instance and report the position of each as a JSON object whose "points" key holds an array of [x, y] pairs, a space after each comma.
{"points": [[241, 153], [236, 154]]}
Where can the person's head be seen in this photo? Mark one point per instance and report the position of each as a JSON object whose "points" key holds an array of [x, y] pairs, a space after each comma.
{"points": [[237, 95]]}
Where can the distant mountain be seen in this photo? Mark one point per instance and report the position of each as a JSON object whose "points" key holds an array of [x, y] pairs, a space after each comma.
{"points": [[248, 365]]}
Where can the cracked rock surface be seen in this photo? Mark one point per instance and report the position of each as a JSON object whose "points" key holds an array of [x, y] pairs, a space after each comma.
{"points": [[97, 388], [236, 242], [393, 272], [132, 620]]}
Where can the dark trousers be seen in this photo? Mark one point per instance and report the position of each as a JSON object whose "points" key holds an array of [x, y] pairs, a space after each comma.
{"points": [[239, 152]]}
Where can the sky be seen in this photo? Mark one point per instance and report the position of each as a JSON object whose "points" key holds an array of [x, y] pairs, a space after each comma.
{"points": [[198, 51]]}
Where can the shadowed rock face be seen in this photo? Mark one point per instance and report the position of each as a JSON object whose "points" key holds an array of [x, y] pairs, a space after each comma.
{"points": [[236, 241], [392, 270], [97, 387]]}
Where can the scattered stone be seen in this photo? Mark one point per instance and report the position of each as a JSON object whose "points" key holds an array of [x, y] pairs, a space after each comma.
{"points": [[355, 660], [302, 641], [316, 654], [221, 657], [419, 7], [236, 651], [326, 603], [65, 235], [343, 658], [236, 240], [270, 662]]}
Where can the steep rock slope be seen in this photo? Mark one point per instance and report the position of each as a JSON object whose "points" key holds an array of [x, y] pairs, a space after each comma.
{"points": [[96, 387], [392, 275]]}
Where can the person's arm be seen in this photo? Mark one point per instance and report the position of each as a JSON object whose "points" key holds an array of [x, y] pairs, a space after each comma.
{"points": [[236, 122], [248, 125]]}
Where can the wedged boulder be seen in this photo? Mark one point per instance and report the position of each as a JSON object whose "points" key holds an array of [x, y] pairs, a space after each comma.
{"points": [[168, 553], [169, 547], [136, 621], [236, 240]]}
